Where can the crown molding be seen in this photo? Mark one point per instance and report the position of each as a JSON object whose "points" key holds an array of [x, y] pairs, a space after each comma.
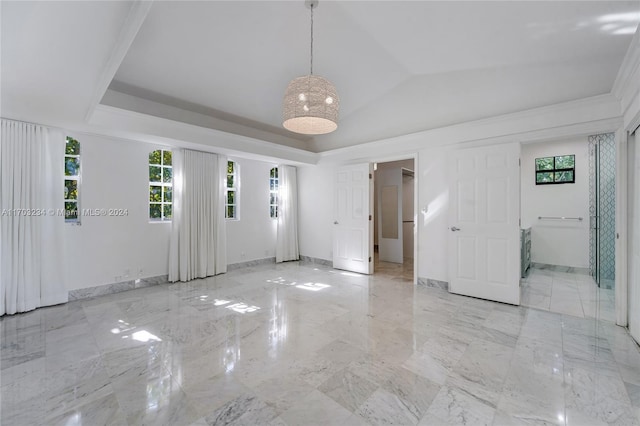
{"points": [[628, 69], [626, 87], [135, 19], [597, 113], [176, 110], [582, 116], [123, 123]]}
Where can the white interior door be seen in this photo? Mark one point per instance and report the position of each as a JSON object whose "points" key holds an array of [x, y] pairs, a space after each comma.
{"points": [[389, 211], [353, 227], [484, 230]]}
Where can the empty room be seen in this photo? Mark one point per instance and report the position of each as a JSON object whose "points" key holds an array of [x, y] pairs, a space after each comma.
{"points": [[325, 212]]}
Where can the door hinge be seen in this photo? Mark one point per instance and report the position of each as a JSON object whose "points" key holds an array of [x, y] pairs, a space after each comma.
{"points": [[519, 162], [369, 258], [370, 176], [369, 217], [617, 236], [520, 222]]}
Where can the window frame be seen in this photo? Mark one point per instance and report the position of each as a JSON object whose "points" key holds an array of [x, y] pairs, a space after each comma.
{"points": [[162, 184], [555, 170], [235, 189], [274, 182], [77, 178]]}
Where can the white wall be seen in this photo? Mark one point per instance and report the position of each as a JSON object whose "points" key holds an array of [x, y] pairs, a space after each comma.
{"points": [[316, 211], [105, 250], [557, 242], [253, 236], [432, 221], [316, 203]]}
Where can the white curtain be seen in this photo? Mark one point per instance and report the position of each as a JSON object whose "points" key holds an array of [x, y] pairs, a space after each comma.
{"points": [[287, 239], [198, 231], [31, 223]]}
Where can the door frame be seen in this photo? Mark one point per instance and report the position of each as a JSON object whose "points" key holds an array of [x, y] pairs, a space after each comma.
{"points": [[416, 184], [621, 254], [621, 248]]}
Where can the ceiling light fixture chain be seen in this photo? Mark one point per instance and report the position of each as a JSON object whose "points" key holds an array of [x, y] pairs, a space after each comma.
{"points": [[311, 102], [311, 67]]}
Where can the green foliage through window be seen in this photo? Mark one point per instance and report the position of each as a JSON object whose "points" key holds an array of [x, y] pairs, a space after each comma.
{"points": [[273, 193], [160, 185], [555, 170], [231, 199], [71, 180]]}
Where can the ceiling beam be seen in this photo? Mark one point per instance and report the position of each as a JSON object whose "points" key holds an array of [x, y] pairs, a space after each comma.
{"points": [[135, 19]]}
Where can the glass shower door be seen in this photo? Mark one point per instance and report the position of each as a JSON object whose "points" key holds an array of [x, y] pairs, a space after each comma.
{"points": [[602, 201]]}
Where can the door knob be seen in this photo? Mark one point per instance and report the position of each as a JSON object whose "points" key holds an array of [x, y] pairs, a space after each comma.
{"points": [[454, 229], [335, 222]]}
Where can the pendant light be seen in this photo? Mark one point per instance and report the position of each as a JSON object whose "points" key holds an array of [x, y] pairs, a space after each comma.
{"points": [[311, 102]]}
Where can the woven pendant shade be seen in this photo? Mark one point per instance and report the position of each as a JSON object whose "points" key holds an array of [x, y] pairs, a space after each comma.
{"points": [[311, 103], [310, 106]]}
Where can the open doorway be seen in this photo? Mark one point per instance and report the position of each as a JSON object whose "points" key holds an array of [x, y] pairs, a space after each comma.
{"points": [[568, 226], [394, 219]]}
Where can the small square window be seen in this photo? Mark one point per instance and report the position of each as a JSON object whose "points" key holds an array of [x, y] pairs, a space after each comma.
{"points": [[555, 170]]}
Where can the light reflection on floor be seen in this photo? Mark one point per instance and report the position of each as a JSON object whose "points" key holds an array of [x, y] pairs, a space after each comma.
{"points": [[298, 344], [569, 293]]}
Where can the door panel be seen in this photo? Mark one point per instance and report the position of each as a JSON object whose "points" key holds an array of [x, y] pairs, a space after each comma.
{"points": [[352, 230], [497, 200], [497, 255], [357, 250], [484, 223], [467, 250], [466, 199]]}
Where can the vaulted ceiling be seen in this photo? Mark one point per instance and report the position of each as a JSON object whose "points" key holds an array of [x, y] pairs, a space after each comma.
{"points": [[399, 67]]}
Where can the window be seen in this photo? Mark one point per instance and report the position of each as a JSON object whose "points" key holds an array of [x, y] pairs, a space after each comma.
{"points": [[273, 193], [160, 185], [555, 170], [71, 180], [231, 199]]}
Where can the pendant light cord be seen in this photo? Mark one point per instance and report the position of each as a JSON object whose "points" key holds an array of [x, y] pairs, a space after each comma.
{"points": [[311, 70]]}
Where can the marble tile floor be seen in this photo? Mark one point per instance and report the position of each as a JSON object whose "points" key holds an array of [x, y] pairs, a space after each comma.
{"points": [[298, 344], [571, 293], [397, 271]]}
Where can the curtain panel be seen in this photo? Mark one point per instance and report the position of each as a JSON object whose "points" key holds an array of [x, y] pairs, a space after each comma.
{"points": [[287, 233], [32, 219], [198, 231]]}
